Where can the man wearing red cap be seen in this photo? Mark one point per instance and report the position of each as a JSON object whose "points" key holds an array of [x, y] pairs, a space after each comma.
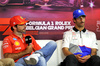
{"points": [[79, 44], [16, 47]]}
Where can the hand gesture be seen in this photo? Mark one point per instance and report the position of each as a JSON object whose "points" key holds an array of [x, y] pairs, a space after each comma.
{"points": [[29, 49]]}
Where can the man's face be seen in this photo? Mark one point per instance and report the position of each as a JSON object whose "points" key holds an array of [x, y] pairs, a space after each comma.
{"points": [[21, 28], [80, 21]]}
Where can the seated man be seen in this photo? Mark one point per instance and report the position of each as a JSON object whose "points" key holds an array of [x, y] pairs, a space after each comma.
{"points": [[7, 62], [79, 44], [19, 48]]}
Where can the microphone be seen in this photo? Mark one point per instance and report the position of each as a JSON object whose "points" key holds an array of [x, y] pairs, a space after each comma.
{"points": [[28, 40]]}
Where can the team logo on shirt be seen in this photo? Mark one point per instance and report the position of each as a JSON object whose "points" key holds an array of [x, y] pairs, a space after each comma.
{"points": [[73, 33], [14, 39], [17, 43]]}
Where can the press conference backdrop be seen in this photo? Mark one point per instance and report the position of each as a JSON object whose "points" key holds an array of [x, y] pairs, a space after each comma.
{"points": [[49, 18]]}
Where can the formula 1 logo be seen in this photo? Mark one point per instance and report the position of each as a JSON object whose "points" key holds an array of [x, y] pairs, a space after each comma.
{"points": [[98, 26], [4, 26]]}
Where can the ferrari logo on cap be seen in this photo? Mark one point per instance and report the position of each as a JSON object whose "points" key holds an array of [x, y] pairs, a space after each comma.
{"points": [[17, 43], [21, 17]]}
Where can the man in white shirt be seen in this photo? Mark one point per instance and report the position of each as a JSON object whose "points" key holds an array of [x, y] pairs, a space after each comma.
{"points": [[79, 44]]}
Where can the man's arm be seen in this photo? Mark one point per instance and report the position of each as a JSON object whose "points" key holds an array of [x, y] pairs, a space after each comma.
{"points": [[85, 58], [16, 56], [66, 51], [93, 51]]}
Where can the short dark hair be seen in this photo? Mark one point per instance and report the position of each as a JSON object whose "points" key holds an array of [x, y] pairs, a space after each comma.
{"points": [[74, 19], [12, 27]]}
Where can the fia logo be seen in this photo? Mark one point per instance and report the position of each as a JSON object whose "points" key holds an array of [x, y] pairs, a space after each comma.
{"points": [[98, 26]]}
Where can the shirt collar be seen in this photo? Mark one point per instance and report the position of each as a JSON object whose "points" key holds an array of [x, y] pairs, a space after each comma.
{"points": [[13, 35], [76, 30]]}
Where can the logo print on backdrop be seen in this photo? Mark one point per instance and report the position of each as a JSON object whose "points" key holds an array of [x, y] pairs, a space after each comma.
{"points": [[98, 26]]}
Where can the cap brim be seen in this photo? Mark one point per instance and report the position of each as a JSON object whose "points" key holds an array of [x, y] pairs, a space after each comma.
{"points": [[82, 16], [24, 22]]}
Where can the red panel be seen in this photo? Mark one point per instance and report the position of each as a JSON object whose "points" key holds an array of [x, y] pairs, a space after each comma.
{"points": [[7, 32], [2, 28], [4, 20]]}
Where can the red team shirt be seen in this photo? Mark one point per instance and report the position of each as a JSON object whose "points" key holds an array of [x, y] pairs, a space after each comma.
{"points": [[15, 44]]}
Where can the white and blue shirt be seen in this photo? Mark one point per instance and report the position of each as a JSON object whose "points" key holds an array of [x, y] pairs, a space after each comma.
{"points": [[79, 42]]}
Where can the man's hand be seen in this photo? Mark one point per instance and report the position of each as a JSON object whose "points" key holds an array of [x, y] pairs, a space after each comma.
{"points": [[85, 58], [82, 59], [78, 56], [29, 49]]}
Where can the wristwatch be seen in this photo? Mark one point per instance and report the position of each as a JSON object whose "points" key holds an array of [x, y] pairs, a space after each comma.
{"points": [[91, 55]]}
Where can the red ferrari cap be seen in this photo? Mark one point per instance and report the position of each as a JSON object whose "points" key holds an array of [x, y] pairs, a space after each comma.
{"points": [[17, 20]]}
